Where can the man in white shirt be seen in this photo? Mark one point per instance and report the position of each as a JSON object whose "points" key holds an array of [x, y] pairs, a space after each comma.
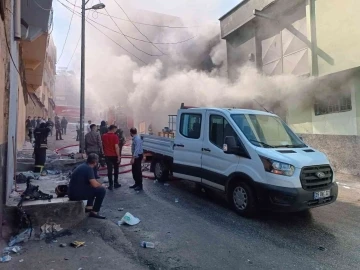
{"points": [[88, 129]]}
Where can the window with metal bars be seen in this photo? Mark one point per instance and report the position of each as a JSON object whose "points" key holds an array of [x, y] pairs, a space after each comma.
{"points": [[335, 105]]}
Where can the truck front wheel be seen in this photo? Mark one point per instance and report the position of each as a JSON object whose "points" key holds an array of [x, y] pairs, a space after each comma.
{"points": [[242, 198], [161, 173]]}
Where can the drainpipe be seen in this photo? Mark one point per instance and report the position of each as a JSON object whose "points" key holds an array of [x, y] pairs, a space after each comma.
{"points": [[314, 54], [17, 20], [13, 103]]}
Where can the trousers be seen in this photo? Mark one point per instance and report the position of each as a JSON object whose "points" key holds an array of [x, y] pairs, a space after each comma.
{"points": [[92, 195], [58, 134], [136, 171], [112, 163]]}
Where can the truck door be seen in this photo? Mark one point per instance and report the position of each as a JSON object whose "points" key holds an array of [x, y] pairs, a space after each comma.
{"points": [[216, 165], [188, 144]]}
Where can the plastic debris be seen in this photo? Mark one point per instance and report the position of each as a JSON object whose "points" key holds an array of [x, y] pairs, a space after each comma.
{"points": [[120, 209], [6, 258], [129, 219], [63, 245], [21, 260], [176, 200], [14, 249], [249, 261], [21, 237], [145, 244], [55, 172], [77, 244]]}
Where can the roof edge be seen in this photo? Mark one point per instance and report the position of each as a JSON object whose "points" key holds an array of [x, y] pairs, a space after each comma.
{"points": [[234, 8]]}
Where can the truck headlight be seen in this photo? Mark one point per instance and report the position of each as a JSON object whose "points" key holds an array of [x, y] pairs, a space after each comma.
{"points": [[277, 167]]}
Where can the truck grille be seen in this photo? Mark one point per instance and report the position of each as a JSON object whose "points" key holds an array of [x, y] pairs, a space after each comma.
{"points": [[316, 177]]}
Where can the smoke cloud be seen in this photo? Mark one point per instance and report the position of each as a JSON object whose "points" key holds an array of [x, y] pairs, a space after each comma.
{"points": [[192, 72]]}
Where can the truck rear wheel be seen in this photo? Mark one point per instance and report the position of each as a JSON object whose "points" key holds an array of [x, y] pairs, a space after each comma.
{"points": [[161, 173], [242, 198]]}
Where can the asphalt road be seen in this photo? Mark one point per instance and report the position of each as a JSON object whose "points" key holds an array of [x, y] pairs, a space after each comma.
{"points": [[201, 232]]}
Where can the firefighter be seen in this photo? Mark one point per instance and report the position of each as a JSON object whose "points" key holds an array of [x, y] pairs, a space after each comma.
{"points": [[41, 133]]}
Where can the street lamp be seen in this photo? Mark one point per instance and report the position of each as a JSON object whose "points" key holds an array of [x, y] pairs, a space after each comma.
{"points": [[82, 75]]}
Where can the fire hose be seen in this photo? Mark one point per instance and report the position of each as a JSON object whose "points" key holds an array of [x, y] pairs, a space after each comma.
{"points": [[104, 168]]}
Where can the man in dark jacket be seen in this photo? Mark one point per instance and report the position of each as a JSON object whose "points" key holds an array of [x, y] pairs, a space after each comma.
{"points": [[103, 128], [50, 124], [38, 122], [120, 134], [28, 127], [58, 130], [64, 123], [41, 133], [93, 145]]}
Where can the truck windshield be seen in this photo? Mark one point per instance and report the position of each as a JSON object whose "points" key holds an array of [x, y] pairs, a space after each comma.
{"points": [[267, 131]]}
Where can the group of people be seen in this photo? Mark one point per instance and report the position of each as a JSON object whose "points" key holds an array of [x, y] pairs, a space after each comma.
{"points": [[104, 142], [32, 123]]}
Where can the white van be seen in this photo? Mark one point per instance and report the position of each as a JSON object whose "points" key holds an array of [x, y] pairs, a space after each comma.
{"points": [[252, 156]]}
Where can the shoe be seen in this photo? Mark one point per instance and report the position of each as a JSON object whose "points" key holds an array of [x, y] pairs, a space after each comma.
{"points": [[93, 215], [88, 210], [117, 185], [110, 188], [138, 188], [133, 186]]}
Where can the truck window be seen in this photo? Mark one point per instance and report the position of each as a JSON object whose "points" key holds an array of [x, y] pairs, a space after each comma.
{"points": [[190, 125], [220, 128]]}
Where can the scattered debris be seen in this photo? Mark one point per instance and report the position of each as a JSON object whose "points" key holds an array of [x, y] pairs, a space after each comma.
{"points": [[55, 172], [80, 268], [321, 248], [77, 244], [129, 219], [21, 260], [249, 261], [6, 258], [63, 245], [50, 228], [176, 200], [66, 259], [120, 209], [21, 237], [145, 244], [14, 194], [14, 249]]}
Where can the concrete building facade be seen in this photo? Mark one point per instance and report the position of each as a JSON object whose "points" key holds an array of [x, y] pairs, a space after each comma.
{"points": [[24, 37], [306, 38]]}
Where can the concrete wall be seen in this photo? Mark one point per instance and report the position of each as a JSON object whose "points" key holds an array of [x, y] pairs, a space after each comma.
{"points": [[337, 34], [342, 151], [21, 119]]}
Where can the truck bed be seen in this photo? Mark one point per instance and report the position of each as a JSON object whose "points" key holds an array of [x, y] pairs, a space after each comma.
{"points": [[158, 145]]}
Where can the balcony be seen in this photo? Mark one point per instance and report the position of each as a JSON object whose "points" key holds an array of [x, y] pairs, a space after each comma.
{"points": [[36, 22]]}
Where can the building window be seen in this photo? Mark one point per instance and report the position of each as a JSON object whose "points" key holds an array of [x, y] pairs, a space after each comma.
{"points": [[190, 125], [333, 105]]}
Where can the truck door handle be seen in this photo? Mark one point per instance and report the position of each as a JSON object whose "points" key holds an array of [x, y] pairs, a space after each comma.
{"points": [[178, 145], [205, 149]]}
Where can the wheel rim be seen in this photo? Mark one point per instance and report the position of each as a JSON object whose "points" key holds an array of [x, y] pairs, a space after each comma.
{"points": [[240, 198], [158, 170]]}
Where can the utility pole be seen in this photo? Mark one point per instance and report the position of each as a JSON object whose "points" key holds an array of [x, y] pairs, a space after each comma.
{"points": [[82, 80], [82, 74]]}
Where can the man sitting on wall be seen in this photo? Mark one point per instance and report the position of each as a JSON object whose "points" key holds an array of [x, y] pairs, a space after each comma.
{"points": [[83, 186]]}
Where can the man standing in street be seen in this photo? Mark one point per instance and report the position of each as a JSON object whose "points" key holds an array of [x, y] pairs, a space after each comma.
{"points": [[93, 144], [64, 123], [137, 157], [28, 128], [83, 186], [112, 156], [41, 133], [50, 124], [88, 126], [58, 130], [38, 122], [78, 131]]}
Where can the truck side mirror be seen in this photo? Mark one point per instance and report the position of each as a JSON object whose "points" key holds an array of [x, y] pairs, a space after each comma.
{"points": [[231, 147]]}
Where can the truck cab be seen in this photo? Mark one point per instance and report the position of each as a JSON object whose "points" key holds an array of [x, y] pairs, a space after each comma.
{"points": [[252, 156]]}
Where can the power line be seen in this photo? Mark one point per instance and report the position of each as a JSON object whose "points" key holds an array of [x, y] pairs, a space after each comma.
{"points": [[138, 28], [149, 24], [136, 47], [142, 40], [77, 43], [46, 9], [68, 8], [73, 3], [62, 51]]}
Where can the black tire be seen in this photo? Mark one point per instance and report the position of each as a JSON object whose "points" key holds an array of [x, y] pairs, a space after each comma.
{"points": [[161, 173], [242, 199]]}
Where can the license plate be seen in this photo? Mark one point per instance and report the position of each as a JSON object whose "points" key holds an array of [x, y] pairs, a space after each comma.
{"points": [[321, 194]]}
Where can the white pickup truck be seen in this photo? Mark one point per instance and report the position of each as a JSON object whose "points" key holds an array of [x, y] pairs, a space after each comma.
{"points": [[252, 156]]}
